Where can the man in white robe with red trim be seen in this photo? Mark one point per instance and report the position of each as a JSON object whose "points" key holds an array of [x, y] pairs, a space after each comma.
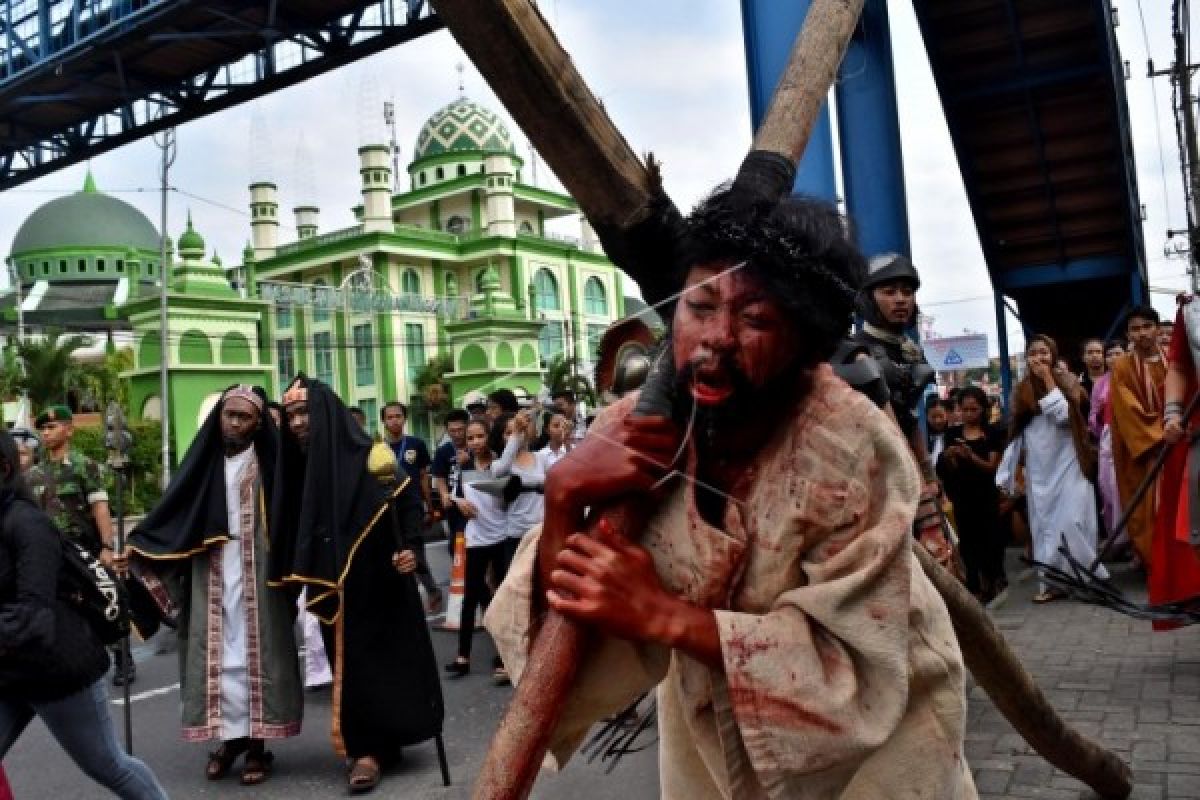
{"points": [[202, 553]]}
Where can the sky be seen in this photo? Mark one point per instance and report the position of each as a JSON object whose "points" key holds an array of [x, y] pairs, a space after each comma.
{"points": [[672, 75]]}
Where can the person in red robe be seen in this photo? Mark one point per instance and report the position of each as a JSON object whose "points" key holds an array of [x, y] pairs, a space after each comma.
{"points": [[5, 790], [1175, 567]]}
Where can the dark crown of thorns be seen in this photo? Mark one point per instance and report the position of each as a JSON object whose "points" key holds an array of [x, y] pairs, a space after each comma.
{"points": [[794, 250]]}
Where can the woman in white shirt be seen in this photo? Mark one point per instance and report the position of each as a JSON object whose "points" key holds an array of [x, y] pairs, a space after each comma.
{"points": [[486, 537], [526, 508]]}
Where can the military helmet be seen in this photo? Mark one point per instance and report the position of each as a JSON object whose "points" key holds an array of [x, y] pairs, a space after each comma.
{"points": [[889, 267]]}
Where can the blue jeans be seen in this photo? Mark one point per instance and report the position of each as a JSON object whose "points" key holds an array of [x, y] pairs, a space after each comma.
{"points": [[82, 725]]}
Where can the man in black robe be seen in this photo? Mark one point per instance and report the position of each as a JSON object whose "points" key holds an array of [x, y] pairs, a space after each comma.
{"points": [[339, 533]]}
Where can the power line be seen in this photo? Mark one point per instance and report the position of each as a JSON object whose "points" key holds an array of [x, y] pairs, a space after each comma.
{"points": [[1162, 163]]}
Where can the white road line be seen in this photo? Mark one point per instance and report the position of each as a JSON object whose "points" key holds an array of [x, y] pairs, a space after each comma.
{"points": [[120, 701]]}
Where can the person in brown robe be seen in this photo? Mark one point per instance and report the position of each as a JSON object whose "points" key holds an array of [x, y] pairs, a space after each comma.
{"points": [[1137, 430], [773, 597]]}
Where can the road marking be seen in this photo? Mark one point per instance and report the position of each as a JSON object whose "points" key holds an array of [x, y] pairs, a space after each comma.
{"points": [[120, 701]]}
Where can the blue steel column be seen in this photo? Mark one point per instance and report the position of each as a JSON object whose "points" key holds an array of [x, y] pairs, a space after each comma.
{"points": [[869, 135], [770, 28], [1139, 288], [1005, 364]]}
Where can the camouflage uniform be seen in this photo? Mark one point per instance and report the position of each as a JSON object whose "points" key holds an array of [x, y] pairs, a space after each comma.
{"points": [[66, 491]]}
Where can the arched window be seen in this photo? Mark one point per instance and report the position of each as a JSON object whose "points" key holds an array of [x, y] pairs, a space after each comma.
{"points": [[322, 300], [595, 299], [410, 282], [550, 341], [545, 291]]}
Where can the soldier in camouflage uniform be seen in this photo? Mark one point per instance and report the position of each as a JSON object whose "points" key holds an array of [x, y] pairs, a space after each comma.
{"points": [[70, 488]]}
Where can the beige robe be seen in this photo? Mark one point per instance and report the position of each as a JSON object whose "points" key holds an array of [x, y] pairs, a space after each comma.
{"points": [[842, 677]]}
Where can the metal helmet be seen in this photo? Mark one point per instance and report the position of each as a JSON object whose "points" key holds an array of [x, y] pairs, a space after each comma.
{"points": [[889, 267], [631, 372]]}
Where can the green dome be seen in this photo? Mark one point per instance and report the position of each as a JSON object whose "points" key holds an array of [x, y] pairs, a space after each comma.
{"points": [[191, 244], [85, 219], [462, 126]]}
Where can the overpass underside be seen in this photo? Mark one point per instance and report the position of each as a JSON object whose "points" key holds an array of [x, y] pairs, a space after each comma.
{"points": [[81, 77], [1033, 92]]}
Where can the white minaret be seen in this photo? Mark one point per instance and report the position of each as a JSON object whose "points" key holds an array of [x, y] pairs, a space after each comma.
{"points": [[375, 166], [501, 212], [306, 221], [264, 219]]}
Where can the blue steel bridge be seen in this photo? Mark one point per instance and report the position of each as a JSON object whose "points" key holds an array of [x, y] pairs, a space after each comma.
{"points": [[80, 77], [1033, 92]]}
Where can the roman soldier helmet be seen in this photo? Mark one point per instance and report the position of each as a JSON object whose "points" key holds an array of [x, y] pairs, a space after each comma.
{"points": [[890, 267], [883, 269]]}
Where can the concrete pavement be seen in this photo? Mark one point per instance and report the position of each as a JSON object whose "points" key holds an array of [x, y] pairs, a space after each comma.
{"points": [[1111, 676]]}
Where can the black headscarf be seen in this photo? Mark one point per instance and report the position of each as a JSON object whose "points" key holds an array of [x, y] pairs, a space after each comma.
{"points": [[192, 514], [326, 498]]}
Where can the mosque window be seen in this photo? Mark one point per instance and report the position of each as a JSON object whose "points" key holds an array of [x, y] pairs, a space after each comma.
{"points": [[410, 283], [283, 316], [364, 356], [45, 267], [457, 224], [527, 228], [62, 266], [414, 351], [481, 168], [550, 341], [120, 265], [286, 351], [594, 334], [81, 265], [545, 291], [439, 173], [323, 356], [595, 299], [99, 265], [422, 178], [462, 170]]}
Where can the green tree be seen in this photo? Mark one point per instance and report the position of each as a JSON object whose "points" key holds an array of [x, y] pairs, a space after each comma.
{"points": [[563, 374], [48, 363], [100, 383]]}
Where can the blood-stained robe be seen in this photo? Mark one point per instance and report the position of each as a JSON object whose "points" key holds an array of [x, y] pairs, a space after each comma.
{"points": [[842, 677], [1137, 408], [1175, 569]]}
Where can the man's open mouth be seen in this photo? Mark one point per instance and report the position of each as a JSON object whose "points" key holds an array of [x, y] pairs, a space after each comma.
{"points": [[710, 388]]}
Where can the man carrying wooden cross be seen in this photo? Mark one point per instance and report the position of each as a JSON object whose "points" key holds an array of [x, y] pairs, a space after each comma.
{"points": [[773, 597]]}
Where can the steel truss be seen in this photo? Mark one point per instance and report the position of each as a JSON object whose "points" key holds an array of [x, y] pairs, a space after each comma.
{"points": [[81, 77]]}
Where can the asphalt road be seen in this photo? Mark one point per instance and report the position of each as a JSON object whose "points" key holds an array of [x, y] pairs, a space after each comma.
{"points": [[305, 766]]}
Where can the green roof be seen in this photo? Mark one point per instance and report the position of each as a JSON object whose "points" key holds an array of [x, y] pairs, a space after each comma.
{"points": [[87, 218], [462, 126]]}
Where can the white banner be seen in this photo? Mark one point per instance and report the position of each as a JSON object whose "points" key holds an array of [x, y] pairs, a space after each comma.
{"points": [[957, 352]]}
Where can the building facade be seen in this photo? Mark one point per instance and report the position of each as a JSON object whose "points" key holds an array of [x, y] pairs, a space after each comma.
{"points": [[459, 269], [460, 266]]}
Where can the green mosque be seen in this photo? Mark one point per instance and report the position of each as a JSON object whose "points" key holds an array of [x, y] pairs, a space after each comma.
{"points": [[460, 269]]}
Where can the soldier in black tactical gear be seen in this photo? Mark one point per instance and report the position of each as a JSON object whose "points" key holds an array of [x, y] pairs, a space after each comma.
{"points": [[882, 362]]}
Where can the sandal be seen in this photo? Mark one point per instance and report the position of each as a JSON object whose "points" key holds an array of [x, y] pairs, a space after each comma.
{"points": [[364, 776], [257, 767], [1048, 596], [222, 759]]}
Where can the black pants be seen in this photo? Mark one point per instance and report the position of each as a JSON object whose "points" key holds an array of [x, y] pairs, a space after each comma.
{"points": [[476, 592], [981, 545]]}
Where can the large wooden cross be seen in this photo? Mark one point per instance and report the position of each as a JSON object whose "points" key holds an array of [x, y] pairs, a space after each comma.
{"points": [[622, 197]]}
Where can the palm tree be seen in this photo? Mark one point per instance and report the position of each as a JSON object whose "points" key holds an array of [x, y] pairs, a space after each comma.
{"points": [[48, 363]]}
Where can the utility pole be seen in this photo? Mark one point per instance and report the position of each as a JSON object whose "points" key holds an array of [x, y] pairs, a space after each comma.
{"points": [[1180, 73], [166, 142]]}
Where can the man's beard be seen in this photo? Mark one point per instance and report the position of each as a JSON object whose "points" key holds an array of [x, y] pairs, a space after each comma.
{"points": [[236, 444], [746, 405]]}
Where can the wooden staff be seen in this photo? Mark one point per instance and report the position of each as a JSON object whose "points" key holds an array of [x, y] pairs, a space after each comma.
{"points": [[522, 60]]}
